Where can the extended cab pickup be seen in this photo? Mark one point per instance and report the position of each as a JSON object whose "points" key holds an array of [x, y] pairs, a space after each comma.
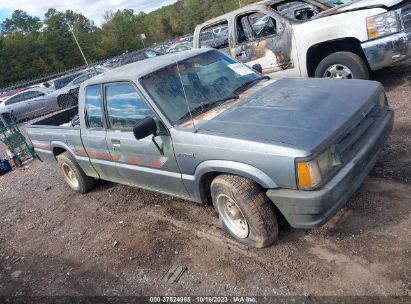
{"points": [[201, 126], [308, 38]]}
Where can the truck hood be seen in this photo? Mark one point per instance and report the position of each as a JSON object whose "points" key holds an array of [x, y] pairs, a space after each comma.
{"points": [[302, 113], [357, 5]]}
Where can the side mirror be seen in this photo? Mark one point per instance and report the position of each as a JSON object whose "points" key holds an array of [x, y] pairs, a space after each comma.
{"points": [[144, 127]]}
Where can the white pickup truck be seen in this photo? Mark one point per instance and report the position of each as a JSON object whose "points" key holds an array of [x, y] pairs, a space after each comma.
{"points": [[306, 38]]}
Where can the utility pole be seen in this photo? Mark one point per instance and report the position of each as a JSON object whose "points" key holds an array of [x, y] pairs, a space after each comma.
{"points": [[239, 3], [79, 47], [142, 38], [222, 6]]}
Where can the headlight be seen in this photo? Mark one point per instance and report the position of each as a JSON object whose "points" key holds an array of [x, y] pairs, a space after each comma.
{"points": [[310, 174], [383, 25]]}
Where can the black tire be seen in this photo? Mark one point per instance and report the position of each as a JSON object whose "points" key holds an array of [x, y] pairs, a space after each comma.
{"points": [[85, 183], [254, 205], [66, 101], [350, 60]]}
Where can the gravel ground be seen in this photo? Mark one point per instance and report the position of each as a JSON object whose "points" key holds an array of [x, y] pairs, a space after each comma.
{"points": [[118, 240]]}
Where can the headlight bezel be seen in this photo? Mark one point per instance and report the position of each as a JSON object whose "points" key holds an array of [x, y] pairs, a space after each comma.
{"points": [[378, 23], [320, 167]]}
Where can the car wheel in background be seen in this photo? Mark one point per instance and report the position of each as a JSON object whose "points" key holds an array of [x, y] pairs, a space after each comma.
{"points": [[246, 213], [342, 65], [66, 101]]}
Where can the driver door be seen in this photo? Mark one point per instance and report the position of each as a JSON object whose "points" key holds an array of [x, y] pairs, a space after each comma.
{"points": [[148, 163], [262, 39]]}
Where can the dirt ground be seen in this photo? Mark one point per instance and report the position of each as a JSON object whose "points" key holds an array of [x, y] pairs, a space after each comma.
{"points": [[118, 240]]}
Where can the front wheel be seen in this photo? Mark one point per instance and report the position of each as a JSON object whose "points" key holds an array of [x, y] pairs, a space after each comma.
{"points": [[342, 65], [246, 213]]}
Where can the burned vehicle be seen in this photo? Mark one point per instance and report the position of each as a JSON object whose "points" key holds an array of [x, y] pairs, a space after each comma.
{"points": [[201, 126], [307, 38]]}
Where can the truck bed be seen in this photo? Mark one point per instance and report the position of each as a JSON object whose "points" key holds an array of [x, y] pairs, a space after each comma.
{"points": [[55, 132], [58, 120]]}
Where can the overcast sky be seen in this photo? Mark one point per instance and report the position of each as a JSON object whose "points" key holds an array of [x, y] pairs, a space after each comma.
{"points": [[92, 9]]}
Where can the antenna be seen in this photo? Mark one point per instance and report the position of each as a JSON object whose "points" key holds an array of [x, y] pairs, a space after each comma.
{"points": [[185, 97]]}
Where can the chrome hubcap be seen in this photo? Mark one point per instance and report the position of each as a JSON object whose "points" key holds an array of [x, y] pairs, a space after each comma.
{"points": [[338, 71], [232, 216], [70, 176]]}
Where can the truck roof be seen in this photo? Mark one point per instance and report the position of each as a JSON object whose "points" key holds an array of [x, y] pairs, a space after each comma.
{"points": [[245, 7], [141, 68]]}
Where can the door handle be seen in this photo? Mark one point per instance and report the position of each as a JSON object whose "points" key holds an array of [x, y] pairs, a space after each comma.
{"points": [[116, 143]]}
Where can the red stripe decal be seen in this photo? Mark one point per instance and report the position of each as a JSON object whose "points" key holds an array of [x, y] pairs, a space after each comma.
{"points": [[157, 164], [134, 160], [80, 152]]}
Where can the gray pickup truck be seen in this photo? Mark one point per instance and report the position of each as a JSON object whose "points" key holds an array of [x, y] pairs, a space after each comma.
{"points": [[201, 126]]}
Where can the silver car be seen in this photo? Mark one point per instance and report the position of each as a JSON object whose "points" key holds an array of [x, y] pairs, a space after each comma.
{"points": [[29, 103], [66, 97]]}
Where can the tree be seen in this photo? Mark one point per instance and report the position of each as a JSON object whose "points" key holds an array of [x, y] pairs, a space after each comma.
{"points": [[30, 49], [21, 22]]}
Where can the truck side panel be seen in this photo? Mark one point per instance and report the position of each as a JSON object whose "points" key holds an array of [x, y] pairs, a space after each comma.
{"points": [[50, 141]]}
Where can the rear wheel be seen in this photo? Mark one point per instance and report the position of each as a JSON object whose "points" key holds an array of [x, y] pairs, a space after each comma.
{"points": [[73, 174], [342, 65], [247, 215]]}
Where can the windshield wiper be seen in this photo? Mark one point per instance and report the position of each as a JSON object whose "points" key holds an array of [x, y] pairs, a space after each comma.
{"points": [[202, 107], [249, 83]]}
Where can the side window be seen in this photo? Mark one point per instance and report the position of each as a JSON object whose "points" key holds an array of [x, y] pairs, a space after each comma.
{"points": [[81, 79], [25, 96], [35, 94], [256, 25], [215, 36], [125, 106], [19, 98], [262, 25], [243, 29], [93, 109], [13, 100]]}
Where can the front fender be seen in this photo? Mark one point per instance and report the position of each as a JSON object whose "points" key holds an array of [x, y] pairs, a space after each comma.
{"points": [[193, 182]]}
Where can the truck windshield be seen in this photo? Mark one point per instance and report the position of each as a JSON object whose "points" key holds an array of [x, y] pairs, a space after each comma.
{"points": [[196, 84]]}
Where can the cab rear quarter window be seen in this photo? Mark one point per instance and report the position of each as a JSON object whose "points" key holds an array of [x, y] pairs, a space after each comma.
{"points": [[93, 109], [215, 36]]}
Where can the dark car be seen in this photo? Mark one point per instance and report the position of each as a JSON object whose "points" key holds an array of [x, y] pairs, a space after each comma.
{"points": [[133, 57]]}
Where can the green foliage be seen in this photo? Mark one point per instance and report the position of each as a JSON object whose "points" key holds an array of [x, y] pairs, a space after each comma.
{"points": [[20, 22], [30, 48]]}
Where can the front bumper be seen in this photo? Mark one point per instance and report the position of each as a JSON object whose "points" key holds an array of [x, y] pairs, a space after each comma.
{"points": [[309, 209], [388, 50]]}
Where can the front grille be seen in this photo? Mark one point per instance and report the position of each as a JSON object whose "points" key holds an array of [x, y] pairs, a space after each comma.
{"points": [[349, 144], [406, 17]]}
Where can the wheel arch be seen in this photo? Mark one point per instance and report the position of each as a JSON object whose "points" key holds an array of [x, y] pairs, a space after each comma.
{"points": [[317, 52], [199, 184], [59, 148]]}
